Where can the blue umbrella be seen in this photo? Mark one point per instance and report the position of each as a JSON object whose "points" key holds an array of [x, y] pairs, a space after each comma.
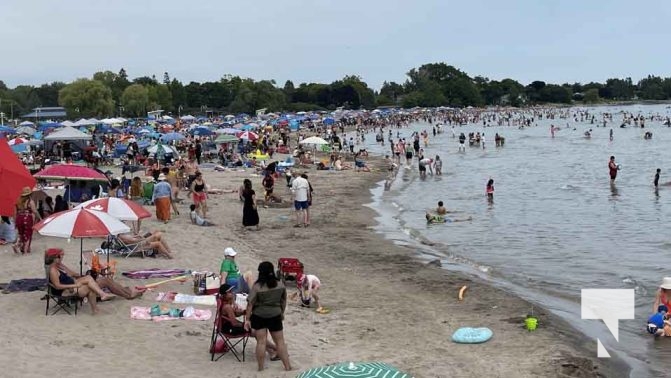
{"points": [[202, 130], [329, 121], [169, 137], [6, 129], [21, 147]]}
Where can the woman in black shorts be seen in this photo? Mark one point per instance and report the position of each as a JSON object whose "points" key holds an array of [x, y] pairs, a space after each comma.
{"points": [[265, 311]]}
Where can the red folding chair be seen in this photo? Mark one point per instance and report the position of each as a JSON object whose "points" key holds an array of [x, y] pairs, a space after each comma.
{"points": [[223, 341]]}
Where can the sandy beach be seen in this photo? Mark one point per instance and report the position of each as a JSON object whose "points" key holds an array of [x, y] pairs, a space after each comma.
{"points": [[385, 305]]}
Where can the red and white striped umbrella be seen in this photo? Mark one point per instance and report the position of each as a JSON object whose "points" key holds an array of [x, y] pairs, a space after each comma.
{"points": [[119, 208], [248, 135], [17, 141], [80, 223]]}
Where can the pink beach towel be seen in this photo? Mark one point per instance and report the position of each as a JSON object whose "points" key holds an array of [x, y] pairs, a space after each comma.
{"points": [[143, 313]]}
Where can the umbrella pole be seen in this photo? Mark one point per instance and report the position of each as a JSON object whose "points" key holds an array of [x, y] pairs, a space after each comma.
{"points": [[81, 256]]}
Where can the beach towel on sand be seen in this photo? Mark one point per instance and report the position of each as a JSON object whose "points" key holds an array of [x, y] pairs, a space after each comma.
{"points": [[144, 313], [144, 274], [24, 284], [174, 297]]}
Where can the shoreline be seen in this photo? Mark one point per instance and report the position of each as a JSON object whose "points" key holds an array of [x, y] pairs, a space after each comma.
{"points": [[386, 305]]}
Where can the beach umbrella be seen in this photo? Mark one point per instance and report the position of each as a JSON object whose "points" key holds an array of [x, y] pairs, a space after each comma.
{"points": [[14, 177], [119, 208], [248, 135], [328, 121], [313, 140], [354, 369], [26, 123], [6, 129], [169, 137], [80, 223], [70, 172], [166, 149], [224, 138], [202, 131], [20, 148], [16, 141], [27, 130], [229, 130]]}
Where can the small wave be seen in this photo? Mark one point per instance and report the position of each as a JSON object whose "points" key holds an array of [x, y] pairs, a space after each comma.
{"points": [[569, 187], [640, 290], [629, 281]]}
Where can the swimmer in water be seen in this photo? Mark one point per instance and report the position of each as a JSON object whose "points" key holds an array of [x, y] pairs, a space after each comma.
{"points": [[434, 219], [656, 181], [612, 169], [490, 189]]}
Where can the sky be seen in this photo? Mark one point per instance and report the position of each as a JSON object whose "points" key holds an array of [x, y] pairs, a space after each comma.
{"points": [[324, 40]]}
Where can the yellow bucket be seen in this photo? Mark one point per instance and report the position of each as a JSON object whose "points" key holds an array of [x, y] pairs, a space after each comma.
{"points": [[531, 323]]}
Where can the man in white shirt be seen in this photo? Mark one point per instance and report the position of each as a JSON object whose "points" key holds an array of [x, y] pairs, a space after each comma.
{"points": [[301, 191]]}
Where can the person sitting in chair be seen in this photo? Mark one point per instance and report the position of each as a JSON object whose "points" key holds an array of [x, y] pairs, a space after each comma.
{"points": [[229, 312], [66, 282]]}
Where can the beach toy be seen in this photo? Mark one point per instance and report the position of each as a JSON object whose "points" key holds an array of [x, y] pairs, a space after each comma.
{"points": [[462, 291], [531, 323], [468, 335], [323, 310], [258, 155]]}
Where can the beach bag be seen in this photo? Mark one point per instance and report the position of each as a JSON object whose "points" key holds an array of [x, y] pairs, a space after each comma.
{"points": [[205, 283], [219, 346]]}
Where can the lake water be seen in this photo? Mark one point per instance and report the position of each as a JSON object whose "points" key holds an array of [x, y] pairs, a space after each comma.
{"points": [[556, 225]]}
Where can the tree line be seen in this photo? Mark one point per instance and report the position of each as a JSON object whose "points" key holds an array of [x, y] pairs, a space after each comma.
{"points": [[436, 84]]}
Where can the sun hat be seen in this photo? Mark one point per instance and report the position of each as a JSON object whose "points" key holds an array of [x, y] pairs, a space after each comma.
{"points": [[26, 192], [300, 277], [666, 283], [161, 177], [53, 252], [230, 252]]}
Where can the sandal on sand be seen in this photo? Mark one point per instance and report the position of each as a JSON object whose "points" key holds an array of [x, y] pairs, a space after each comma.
{"points": [[298, 226], [276, 358]]}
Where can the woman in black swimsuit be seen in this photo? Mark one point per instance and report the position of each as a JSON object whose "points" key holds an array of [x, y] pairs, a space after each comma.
{"points": [[199, 194]]}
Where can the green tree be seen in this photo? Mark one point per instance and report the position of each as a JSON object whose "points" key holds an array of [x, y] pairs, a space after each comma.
{"points": [[160, 97], [178, 94], [47, 94], [135, 100], [391, 90], [289, 90], [591, 96], [87, 98]]}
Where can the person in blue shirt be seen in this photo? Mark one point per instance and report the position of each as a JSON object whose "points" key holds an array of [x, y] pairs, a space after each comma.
{"points": [[162, 198], [658, 321]]}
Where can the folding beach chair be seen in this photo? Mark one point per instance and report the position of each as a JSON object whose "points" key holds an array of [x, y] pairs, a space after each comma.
{"points": [[222, 340], [62, 302], [117, 245]]}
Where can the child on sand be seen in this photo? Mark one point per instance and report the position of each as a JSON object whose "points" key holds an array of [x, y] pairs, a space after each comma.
{"points": [[197, 219], [308, 288]]}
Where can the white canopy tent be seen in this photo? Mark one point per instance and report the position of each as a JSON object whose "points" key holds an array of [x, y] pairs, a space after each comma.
{"points": [[73, 140], [68, 133]]}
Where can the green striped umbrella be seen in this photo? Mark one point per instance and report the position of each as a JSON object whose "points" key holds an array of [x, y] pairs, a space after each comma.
{"points": [[226, 139], [354, 369]]}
